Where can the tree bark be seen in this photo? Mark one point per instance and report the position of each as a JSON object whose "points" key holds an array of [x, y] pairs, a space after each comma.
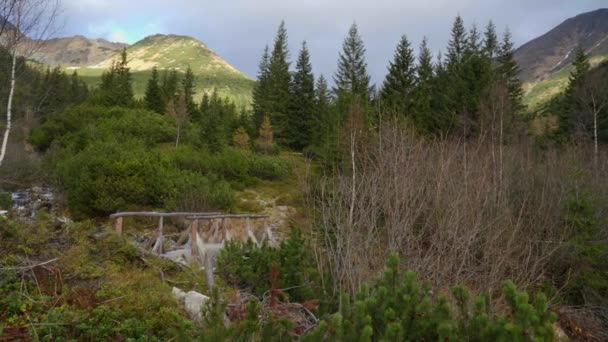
{"points": [[9, 108]]}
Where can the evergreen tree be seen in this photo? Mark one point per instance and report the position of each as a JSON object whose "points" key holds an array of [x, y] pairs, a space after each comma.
{"points": [[423, 93], [279, 81], [454, 80], [169, 85], [153, 98], [508, 70], [261, 90], [204, 106], [300, 116], [352, 82], [123, 87], [78, 89], [490, 41], [567, 110], [398, 87], [325, 125], [188, 85], [457, 44], [213, 129]]}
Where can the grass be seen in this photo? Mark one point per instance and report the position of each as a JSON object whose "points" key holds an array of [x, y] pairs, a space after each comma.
{"points": [[178, 52], [540, 92]]}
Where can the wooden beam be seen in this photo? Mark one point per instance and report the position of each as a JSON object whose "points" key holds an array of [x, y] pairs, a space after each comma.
{"points": [[157, 214], [224, 216]]}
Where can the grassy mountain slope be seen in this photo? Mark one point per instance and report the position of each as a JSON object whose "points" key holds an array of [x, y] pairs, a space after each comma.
{"points": [[539, 92], [545, 61], [178, 52]]}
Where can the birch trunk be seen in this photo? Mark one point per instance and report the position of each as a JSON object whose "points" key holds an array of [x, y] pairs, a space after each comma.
{"points": [[9, 108]]}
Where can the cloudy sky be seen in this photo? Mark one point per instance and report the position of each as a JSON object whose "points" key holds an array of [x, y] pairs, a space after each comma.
{"points": [[239, 29]]}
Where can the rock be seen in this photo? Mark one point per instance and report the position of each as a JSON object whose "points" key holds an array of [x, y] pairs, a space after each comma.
{"points": [[193, 301]]}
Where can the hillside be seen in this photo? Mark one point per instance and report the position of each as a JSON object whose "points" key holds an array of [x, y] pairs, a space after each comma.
{"points": [[76, 51], [178, 52], [545, 61]]}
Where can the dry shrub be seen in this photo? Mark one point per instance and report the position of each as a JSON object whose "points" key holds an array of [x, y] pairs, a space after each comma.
{"points": [[472, 213]]}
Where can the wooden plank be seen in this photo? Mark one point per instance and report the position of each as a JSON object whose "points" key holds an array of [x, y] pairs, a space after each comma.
{"points": [[119, 225], [158, 245], [224, 216], [157, 214]]}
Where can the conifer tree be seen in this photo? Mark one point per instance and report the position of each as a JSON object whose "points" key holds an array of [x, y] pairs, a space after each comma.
{"points": [[188, 85], [153, 98], [169, 85], [204, 106], [123, 86], [398, 87], [508, 70], [326, 124], [423, 93], [352, 82], [567, 111], [457, 44], [302, 107], [455, 83], [261, 90], [490, 42], [213, 129], [279, 81]]}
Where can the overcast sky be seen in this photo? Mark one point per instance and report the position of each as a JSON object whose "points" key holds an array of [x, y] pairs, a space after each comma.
{"points": [[239, 29]]}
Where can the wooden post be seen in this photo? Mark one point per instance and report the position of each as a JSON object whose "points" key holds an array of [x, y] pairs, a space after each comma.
{"points": [[118, 225], [194, 239], [158, 245]]}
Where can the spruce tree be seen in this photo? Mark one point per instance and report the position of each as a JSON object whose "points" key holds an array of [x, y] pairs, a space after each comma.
{"points": [[457, 44], [398, 87], [153, 98], [300, 116], [490, 42], [455, 83], [352, 82], [188, 85], [508, 70], [123, 87], [567, 111], [169, 85], [423, 93], [279, 81], [261, 90], [325, 123]]}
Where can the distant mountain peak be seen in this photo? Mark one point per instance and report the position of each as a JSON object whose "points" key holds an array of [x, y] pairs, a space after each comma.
{"points": [[553, 51]]}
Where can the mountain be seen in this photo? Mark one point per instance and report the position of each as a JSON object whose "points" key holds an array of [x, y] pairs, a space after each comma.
{"points": [[545, 61], [168, 52], [91, 57], [75, 51]]}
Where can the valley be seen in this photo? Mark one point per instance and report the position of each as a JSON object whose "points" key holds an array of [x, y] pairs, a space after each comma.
{"points": [[154, 192]]}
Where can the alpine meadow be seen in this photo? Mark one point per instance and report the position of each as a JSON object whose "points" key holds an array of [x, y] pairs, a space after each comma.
{"points": [[445, 180]]}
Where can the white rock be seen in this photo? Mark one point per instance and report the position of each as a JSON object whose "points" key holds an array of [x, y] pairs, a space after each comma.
{"points": [[193, 302]]}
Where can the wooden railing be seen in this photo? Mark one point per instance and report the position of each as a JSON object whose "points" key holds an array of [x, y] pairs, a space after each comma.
{"points": [[205, 241]]}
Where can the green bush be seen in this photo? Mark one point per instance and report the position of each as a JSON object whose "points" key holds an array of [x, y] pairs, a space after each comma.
{"points": [[6, 201], [400, 308], [246, 266]]}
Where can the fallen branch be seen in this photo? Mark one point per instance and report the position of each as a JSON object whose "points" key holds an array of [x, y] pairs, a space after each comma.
{"points": [[25, 268]]}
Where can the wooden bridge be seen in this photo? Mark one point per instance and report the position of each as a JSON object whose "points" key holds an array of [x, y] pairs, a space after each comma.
{"points": [[205, 235]]}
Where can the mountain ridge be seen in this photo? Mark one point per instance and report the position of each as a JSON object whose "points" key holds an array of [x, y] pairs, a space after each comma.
{"points": [[545, 61]]}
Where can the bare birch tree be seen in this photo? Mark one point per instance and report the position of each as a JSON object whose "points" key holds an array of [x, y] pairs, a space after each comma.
{"points": [[25, 26]]}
